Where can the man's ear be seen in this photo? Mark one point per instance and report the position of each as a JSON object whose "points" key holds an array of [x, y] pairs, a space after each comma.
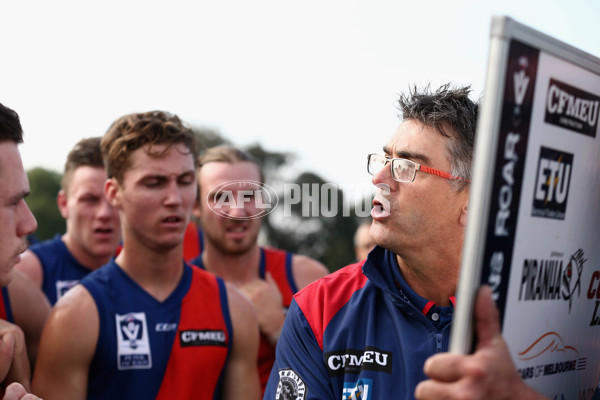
{"points": [[196, 211], [112, 192], [463, 213], [61, 201]]}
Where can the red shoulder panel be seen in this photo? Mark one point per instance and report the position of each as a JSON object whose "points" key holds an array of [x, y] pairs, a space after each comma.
{"points": [[321, 300]]}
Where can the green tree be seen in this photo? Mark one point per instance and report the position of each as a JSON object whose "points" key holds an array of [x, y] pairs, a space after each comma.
{"points": [[325, 232], [208, 137], [44, 185]]}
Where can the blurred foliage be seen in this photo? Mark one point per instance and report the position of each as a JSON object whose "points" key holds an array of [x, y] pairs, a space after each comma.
{"points": [[322, 228], [208, 137], [44, 185]]}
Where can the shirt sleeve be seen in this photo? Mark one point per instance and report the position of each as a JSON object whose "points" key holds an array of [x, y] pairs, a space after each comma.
{"points": [[299, 371]]}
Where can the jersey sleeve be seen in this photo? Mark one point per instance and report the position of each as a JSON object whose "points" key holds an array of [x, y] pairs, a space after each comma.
{"points": [[299, 371]]}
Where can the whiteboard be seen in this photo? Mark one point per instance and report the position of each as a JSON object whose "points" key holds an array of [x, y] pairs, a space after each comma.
{"points": [[533, 230]]}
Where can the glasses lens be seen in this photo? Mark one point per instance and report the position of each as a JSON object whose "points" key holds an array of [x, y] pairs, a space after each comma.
{"points": [[375, 163], [403, 170]]}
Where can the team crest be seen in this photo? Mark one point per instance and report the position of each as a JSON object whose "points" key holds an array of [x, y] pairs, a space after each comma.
{"points": [[290, 386], [63, 286], [133, 345]]}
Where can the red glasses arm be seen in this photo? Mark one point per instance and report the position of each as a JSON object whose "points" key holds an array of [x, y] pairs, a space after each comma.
{"points": [[437, 172]]}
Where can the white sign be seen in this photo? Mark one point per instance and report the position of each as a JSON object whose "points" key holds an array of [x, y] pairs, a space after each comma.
{"points": [[533, 232]]}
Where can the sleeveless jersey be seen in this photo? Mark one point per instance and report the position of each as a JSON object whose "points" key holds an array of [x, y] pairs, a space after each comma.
{"points": [[5, 308], [279, 264], [61, 271], [193, 242], [174, 349]]}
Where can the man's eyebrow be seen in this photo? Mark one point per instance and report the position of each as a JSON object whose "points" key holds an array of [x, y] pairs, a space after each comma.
{"points": [[18, 196], [164, 177], [409, 155], [158, 177]]}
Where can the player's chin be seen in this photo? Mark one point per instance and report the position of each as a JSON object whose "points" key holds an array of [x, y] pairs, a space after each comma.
{"points": [[6, 274]]}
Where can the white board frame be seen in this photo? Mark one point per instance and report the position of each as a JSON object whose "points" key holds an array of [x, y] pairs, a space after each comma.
{"points": [[504, 31]]}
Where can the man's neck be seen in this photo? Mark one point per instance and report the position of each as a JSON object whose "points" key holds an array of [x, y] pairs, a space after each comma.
{"points": [[237, 269], [434, 279], [157, 271], [84, 258]]}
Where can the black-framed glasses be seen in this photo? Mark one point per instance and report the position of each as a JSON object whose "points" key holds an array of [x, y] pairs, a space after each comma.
{"points": [[404, 170]]}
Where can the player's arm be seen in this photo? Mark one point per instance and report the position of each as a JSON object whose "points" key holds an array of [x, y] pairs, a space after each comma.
{"points": [[30, 310], [307, 270], [299, 361], [31, 266], [67, 347], [241, 375]]}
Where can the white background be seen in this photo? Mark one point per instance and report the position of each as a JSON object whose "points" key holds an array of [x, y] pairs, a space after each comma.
{"points": [[315, 77]]}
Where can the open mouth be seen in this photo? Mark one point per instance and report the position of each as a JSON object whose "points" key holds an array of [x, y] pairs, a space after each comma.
{"points": [[379, 211], [237, 231]]}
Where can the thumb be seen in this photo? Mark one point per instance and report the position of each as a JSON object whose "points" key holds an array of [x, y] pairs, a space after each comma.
{"points": [[8, 342], [487, 317], [14, 391], [7, 351], [269, 278]]}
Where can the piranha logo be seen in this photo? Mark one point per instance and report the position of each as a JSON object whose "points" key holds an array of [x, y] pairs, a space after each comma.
{"points": [[546, 279]]}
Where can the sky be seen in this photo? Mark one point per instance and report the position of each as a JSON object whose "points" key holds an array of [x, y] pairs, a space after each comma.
{"points": [[316, 78]]}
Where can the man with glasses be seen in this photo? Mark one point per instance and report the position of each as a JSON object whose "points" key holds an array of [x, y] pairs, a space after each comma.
{"points": [[367, 330]]}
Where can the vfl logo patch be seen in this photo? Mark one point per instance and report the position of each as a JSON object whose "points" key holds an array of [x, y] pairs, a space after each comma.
{"points": [[572, 108], [552, 184], [360, 390], [133, 345], [352, 361], [63, 286], [202, 338], [290, 386]]}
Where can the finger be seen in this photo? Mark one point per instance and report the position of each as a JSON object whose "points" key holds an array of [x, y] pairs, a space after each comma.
{"points": [[430, 390], [269, 278], [487, 317], [30, 396], [7, 351], [14, 391], [445, 367]]}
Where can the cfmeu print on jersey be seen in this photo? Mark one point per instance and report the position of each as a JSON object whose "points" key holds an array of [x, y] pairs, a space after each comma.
{"points": [[132, 341]]}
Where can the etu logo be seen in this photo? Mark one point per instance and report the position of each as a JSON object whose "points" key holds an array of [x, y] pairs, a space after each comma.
{"points": [[359, 390], [552, 183]]}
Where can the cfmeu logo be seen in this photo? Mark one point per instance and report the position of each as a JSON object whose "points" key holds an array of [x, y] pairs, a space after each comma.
{"points": [[242, 199], [572, 108]]}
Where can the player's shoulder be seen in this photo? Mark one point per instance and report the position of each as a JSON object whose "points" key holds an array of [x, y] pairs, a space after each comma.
{"points": [[307, 270], [76, 307]]}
